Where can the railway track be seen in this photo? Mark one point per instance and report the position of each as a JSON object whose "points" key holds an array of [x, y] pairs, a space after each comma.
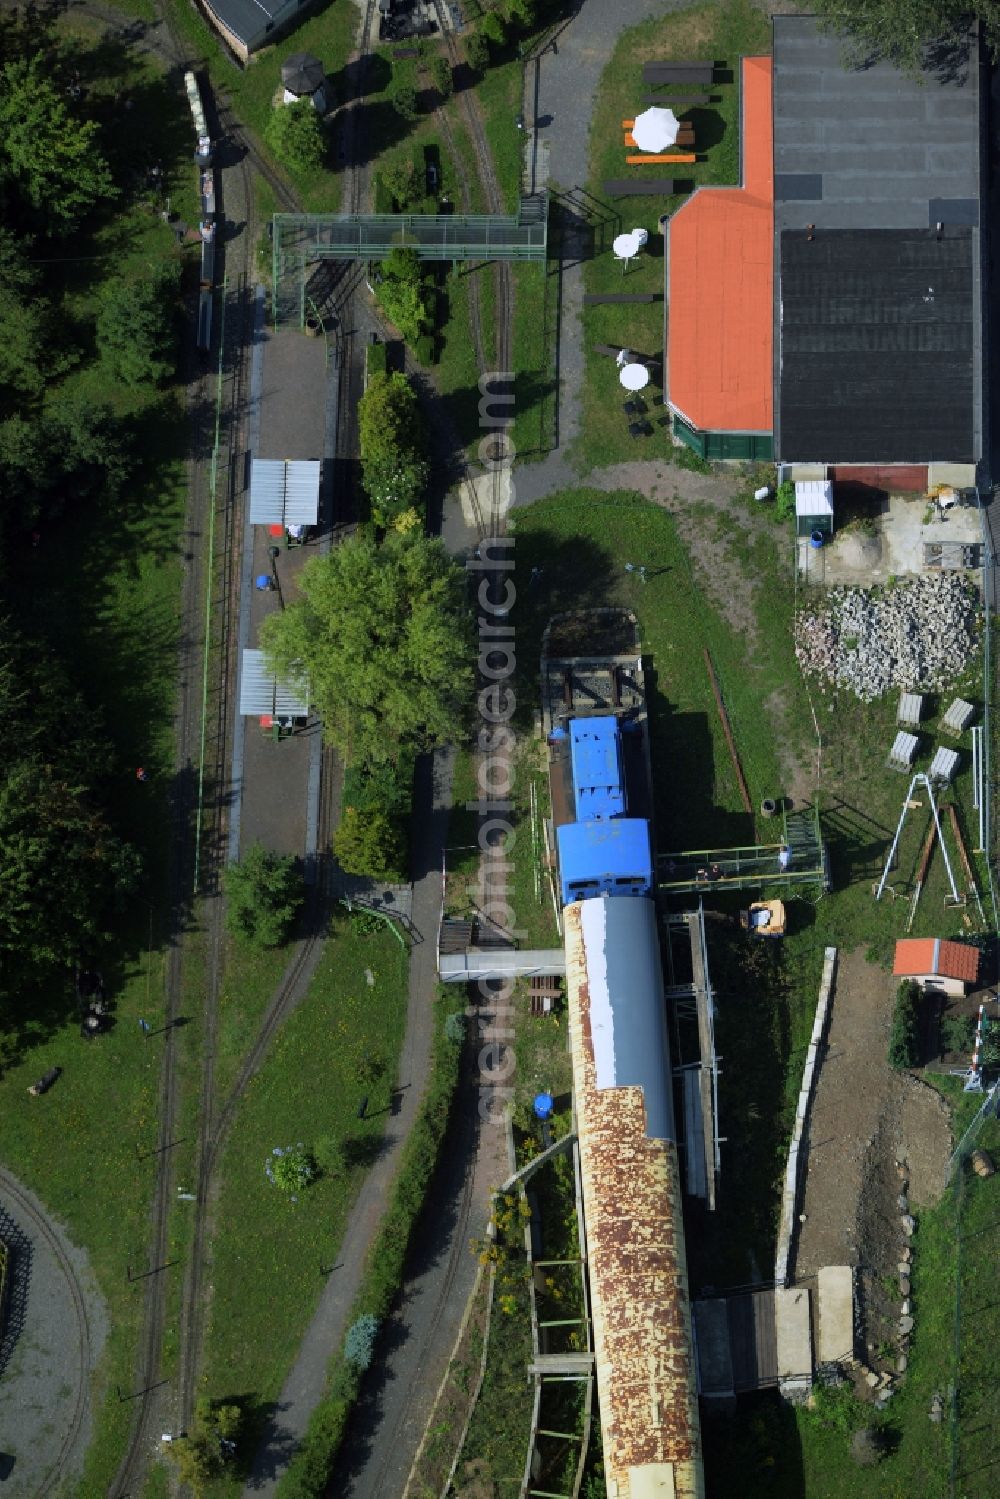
{"points": [[28, 1213]]}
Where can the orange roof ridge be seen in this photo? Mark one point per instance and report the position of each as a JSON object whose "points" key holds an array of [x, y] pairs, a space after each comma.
{"points": [[721, 283]]}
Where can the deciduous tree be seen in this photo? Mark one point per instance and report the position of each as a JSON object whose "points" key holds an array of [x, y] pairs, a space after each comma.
{"points": [[368, 843], [295, 134], [394, 469], [384, 637], [135, 326], [63, 868], [52, 157], [263, 896]]}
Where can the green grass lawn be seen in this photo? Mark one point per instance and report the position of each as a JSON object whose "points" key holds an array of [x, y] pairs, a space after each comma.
{"points": [[268, 1250], [582, 539], [536, 291], [721, 33]]}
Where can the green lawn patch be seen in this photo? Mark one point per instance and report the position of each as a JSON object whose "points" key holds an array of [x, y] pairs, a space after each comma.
{"points": [[268, 1250], [719, 33], [311, 1470]]}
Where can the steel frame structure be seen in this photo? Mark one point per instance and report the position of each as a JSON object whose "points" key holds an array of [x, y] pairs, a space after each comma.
{"points": [[301, 239]]}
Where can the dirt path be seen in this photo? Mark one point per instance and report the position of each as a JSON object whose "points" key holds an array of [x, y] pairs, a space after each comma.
{"points": [[865, 1118]]}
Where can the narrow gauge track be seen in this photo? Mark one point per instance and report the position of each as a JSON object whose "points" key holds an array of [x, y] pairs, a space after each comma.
{"points": [[503, 281], [201, 576], [28, 1213]]}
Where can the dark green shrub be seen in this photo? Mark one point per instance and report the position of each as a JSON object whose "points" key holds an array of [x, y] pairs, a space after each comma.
{"points": [[904, 1038], [442, 76], [477, 51], [784, 501], [957, 1033], [263, 896]]}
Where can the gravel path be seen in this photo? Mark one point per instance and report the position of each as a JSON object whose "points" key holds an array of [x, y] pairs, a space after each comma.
{"points": [[54, 1332]]}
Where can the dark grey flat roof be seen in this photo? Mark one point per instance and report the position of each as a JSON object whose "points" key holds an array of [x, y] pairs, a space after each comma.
{"points": [[248, 19], [881, 143], [878, 346]]}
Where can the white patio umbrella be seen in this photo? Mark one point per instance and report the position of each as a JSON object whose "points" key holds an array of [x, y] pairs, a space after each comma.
{"points": [[655, 129], [625, 246], [634, 376]]}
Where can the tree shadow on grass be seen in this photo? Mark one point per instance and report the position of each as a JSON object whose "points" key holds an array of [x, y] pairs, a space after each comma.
{"points": [[754, 1450]]}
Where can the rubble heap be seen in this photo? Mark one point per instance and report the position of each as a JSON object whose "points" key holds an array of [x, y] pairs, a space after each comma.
{"points": [[918, 634]]}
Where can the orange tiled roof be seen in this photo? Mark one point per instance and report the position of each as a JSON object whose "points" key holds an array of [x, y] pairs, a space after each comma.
{"points": [[932, 955], [720, 330]]}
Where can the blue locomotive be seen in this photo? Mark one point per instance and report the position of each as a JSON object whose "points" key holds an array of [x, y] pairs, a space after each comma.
{"points": [[597, 773]]}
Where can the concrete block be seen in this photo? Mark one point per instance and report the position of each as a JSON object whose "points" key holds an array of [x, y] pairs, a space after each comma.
{"points": [[835, 1306]]}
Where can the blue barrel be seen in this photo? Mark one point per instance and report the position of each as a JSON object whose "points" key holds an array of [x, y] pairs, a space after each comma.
{"points": [[543, 1105], [816, 539]]}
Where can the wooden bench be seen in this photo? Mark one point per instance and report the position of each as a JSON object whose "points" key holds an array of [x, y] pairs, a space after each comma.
{"points": [[669, 100], [678, 72], [598, 298], [651, 161], [624, 187]]}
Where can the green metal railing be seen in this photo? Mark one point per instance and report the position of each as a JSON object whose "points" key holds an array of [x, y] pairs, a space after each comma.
{"points": [[301, 239]]}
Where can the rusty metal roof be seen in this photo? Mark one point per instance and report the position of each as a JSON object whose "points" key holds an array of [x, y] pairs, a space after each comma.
{"points": [[635, 1245]]}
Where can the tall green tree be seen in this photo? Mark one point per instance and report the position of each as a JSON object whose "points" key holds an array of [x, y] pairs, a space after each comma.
{"points": [[23, 328], [403, 293], [295, 134], [63, 868], [442, 76], [263, 897], [384, 636], [52, 157], [393, 465], [135, 325]]}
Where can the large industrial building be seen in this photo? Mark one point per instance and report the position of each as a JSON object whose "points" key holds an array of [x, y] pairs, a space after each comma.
{"points": [[641, 1309], [829, 311]]}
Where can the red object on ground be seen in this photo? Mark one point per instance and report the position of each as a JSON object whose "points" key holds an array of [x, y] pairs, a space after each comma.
{"points": [[275, 530], [934, 955], [721, 294], [266, 721]]}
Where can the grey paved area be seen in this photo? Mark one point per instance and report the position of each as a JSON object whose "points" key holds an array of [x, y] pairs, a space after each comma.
{"points": [[288, 415], [42, 1380], [304, 1384]]}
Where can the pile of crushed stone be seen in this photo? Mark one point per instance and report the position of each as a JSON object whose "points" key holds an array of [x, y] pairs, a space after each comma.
{"points": [[917, 634]]}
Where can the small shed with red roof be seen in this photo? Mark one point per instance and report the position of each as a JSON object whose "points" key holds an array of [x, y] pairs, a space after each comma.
{"points": [[947, 967]]}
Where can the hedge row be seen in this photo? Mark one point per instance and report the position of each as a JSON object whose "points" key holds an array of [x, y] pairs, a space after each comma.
{"points": [[904, 1037], [312, 1467]]}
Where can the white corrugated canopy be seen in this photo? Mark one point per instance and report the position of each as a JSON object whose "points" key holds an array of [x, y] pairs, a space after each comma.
{"points": [[284, 491], [813, 497], [261, 692]]}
